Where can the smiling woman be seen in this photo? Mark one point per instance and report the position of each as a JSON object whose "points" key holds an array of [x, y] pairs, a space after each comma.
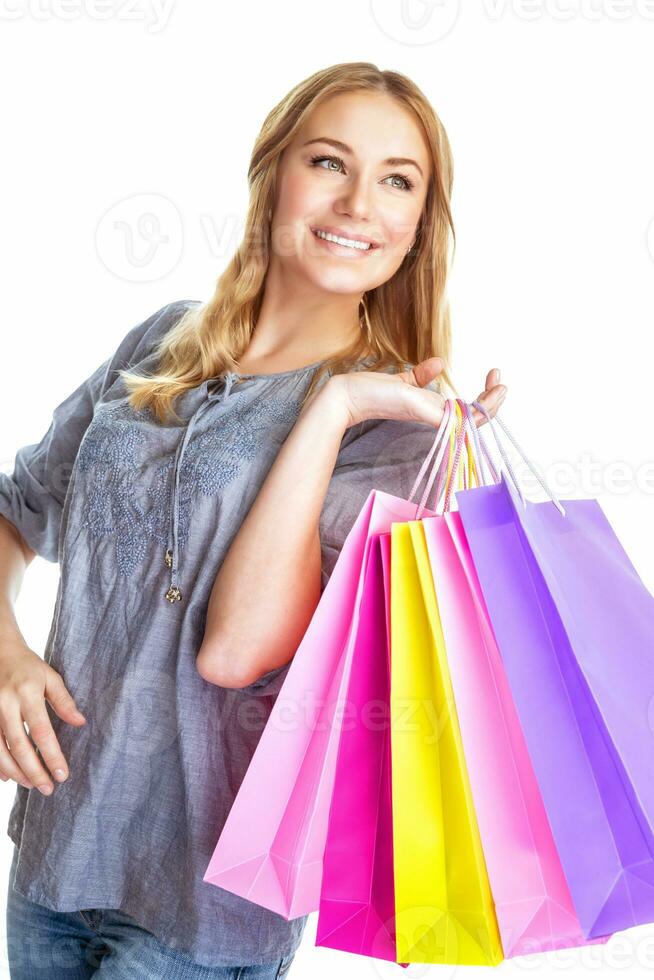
{"points": [[351, 154], [215, 464]]}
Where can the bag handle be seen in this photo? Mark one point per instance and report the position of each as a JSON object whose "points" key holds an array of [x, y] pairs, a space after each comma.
{"points": [[438, 446], [473, 426], [444, 439], [460, 471], [456, 444], [532, 467], [466, 439], [477, 447], [481, 455], [442, 442]]}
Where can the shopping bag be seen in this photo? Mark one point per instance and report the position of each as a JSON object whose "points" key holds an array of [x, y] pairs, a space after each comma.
{"points": [[357, 905], [532, 900], [270, 849], [444, 906], [574, 625]]}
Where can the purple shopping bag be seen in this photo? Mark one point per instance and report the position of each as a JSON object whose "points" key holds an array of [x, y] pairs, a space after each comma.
{"points": [[574, 625], [357, 902]]}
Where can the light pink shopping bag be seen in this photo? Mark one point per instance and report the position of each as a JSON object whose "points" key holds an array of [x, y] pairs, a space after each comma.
{"points": [[533, 904], [270, 850]]}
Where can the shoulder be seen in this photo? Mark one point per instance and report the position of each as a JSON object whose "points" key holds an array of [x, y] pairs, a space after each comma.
{"points": [[144, 337], [383, 439], [141, 340]]}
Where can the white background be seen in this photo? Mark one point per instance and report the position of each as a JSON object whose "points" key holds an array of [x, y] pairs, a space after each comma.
{"points": [[112, 112]]}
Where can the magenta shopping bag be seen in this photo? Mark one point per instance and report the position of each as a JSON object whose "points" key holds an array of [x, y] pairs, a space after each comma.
{"points": [[532, 900], [272, 854], [357, 902], [575, 628]]}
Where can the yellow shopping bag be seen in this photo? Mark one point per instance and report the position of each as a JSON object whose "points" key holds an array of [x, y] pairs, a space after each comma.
{"points": [[443, 902]]}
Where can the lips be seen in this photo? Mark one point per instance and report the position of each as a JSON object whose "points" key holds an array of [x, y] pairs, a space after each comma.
{"points": [[342, 233]]}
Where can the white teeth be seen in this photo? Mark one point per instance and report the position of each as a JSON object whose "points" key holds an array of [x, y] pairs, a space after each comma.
{"points": [[364, 246]]}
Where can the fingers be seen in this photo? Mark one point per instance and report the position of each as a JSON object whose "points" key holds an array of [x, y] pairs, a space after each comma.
{"points": [[22, 753], [47, 743], [492, 399], [18, 756], [9, 767], [492, 379], [61, 699], [425, 371]]}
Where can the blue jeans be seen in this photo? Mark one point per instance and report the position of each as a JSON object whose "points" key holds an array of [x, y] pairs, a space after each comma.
{"points": [[107, 943]]}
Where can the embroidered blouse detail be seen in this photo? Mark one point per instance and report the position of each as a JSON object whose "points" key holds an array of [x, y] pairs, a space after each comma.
{"points": [[111, 456]]}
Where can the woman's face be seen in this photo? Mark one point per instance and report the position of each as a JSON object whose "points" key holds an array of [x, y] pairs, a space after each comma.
{"points": [[348, 172]]}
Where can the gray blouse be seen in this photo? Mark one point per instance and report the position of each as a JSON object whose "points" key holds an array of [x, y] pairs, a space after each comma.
{"points": [[139, 516]]}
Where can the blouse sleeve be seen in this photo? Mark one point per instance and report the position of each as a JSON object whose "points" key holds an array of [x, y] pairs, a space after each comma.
{"points": [[384, 454], [32, 497]]}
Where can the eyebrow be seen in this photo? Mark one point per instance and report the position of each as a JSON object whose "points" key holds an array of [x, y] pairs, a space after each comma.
{"points": [[344, 148]]}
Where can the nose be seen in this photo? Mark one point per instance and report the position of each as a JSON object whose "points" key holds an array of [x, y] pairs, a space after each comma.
{"points": [[355, 201]]}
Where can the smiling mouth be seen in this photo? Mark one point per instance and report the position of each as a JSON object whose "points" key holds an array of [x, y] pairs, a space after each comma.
{"points": [[354, 244]]}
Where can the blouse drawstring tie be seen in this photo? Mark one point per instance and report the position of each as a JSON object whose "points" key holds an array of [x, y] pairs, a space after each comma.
{"points": [[172, 556]]}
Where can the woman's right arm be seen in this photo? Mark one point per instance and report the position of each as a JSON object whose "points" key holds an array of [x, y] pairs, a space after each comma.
{"points": [[25, 681], [16, 556], [31, 506]]}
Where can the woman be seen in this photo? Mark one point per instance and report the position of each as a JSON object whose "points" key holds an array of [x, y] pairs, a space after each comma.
{"points": [[196, 490]]}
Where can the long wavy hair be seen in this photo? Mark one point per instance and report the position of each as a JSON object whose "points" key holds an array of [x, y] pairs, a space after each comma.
{"points": [[403, 321]]}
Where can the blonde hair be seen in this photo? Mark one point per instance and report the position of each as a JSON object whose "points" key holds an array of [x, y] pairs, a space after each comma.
{"points": [[404, 320]]}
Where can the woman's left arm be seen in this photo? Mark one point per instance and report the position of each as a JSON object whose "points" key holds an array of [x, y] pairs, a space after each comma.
{"points": [[269, 584]]}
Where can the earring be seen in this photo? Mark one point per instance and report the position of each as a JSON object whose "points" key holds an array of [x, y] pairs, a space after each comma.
{"points": [[410, 246]]}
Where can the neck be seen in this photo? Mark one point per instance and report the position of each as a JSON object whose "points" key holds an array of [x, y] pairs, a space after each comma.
{"points": [[299, 325]]}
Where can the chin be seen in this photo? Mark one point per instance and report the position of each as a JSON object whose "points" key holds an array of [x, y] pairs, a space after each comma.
{"points": [[336, 280]]}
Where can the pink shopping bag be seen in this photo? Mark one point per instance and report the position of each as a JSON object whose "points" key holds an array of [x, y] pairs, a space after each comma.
{"points": [[271, 847], [357, 902]]}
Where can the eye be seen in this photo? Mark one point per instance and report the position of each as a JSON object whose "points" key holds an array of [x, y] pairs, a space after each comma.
{"points": [[407, 182], [337, 160]]}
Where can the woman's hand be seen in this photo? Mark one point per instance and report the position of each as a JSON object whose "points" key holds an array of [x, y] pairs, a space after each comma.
{"points": [[25, 681], [378, 395]]}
